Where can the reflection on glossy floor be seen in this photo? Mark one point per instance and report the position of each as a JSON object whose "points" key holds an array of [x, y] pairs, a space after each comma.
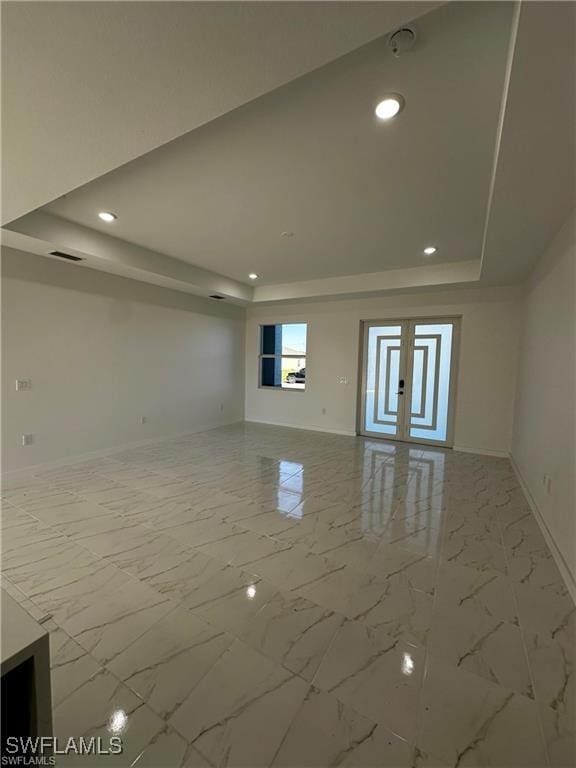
{"points": [[256, 596]]}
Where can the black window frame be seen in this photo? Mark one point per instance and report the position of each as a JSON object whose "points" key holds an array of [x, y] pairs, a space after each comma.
{"points": [[262, 356]]}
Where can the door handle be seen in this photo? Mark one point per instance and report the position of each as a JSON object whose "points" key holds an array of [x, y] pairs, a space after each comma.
{"points": [[400, 387]]}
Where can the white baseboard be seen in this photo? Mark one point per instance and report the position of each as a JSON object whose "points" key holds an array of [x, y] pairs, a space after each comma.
{"points": [[308, 427], [565, 572], [567, 575], [23, 472], [481, 451], [351, 433]]}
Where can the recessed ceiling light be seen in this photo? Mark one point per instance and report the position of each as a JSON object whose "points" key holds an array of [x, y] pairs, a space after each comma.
{"points": [[107, 216], [253, 276], [389, 106], [430, 250]]}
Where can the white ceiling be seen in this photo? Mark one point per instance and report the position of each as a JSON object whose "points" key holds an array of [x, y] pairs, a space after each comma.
{"points": [[87, 86], [311, 158], [361, 197]]}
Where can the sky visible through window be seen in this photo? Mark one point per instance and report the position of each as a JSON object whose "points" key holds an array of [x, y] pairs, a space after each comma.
{"points": [[294, 338]]}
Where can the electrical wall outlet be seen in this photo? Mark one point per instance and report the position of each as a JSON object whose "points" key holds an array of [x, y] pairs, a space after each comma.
{"points": [[342, 379], [27, 440], [23, 384], [143, 419]]}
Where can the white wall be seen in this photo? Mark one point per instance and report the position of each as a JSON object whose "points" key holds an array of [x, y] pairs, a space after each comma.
{"points": [[545, 420], [102, 351], [487, 370]]}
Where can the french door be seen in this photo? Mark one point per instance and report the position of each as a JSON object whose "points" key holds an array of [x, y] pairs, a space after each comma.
{"points": [[408, 380]]}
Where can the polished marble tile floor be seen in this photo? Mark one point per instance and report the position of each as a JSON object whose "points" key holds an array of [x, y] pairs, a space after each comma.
{"points": [[259, 596]]}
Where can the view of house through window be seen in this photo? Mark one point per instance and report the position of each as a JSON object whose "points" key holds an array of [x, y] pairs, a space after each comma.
{"points": [[283, 355]]}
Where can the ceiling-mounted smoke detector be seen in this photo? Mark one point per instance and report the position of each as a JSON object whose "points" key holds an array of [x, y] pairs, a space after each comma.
{"points": [[402, 41]]}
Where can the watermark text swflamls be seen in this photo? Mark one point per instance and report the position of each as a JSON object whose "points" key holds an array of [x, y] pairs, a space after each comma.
{"points": [[42, 750]]}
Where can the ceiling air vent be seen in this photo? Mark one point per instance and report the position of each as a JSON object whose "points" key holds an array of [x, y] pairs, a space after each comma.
{"points": [[218, 298], [67, 256]]}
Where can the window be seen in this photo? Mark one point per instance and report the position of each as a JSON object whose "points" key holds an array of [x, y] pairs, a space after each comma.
{"points": [[283, 356]]}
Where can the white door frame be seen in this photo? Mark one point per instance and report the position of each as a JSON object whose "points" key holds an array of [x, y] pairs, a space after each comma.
{"points": [[406, 357]]}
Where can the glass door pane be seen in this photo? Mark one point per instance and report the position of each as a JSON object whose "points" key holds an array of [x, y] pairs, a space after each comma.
{"points": [[430, 397], [384, 359]]}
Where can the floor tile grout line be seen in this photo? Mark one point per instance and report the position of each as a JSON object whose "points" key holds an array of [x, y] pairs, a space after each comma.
{"points": [[537, 701], [152, 528], [104, 666], [180, 605], [418, 721]]}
